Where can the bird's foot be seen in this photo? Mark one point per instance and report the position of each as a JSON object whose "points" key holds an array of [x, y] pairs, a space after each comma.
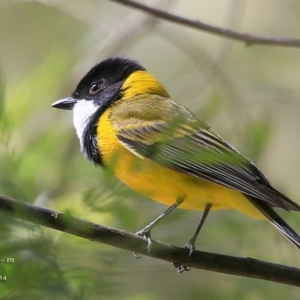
{"points": [[146, 234], [191, 247], [181, 268]]}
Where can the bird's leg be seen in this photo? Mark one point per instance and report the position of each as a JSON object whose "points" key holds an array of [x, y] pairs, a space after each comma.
{"points": [[190, 245], [146, 232]]}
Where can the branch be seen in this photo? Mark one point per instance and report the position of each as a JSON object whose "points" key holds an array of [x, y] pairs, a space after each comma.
{"points": [[247, 267], [249, 39], [119, 36]]}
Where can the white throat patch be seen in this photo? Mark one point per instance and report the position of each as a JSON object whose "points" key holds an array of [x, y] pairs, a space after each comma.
{"points": [[82, 112]]}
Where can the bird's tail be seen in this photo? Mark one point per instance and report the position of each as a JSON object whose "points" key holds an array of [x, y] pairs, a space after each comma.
{"points": [[276, 221]]}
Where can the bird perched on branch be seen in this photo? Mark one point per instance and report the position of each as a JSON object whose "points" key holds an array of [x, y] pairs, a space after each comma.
{"points": [[126, 121]]}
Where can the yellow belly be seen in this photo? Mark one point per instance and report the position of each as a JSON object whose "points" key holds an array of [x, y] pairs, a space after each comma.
{"points": [[165, 185]]}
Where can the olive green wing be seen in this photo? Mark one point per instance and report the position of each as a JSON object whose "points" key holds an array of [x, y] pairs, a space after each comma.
{"points": [[169, 134]]}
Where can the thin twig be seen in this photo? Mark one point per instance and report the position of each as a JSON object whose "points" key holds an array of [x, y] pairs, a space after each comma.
{"points": [[247, 267], [118, 36], [249, 39]]}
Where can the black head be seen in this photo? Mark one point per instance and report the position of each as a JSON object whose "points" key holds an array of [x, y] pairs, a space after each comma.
{"points": [[96, 91], [102, 83], [104, 75]]}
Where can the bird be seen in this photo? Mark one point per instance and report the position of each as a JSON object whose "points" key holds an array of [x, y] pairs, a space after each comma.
{"points": [[126, 122]]}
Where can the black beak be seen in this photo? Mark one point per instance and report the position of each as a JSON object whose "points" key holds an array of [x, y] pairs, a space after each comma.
{"points": [[65, 103]]}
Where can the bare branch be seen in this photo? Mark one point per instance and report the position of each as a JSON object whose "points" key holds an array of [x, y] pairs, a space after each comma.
{"points": [[249, 39], [247, 267], [119, 36]]}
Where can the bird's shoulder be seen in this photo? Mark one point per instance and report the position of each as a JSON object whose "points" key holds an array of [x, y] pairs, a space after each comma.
{"points": [[151, 118]]}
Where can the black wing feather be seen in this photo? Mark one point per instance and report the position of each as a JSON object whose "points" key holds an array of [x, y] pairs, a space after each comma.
{"points": [[170, 135], [205, 155]]}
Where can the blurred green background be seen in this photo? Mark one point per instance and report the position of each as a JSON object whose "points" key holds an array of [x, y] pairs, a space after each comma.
{"points": [[248, 94]]}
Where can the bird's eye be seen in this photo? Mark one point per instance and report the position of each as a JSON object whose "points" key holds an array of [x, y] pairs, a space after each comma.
{"points": [[95, 88]]}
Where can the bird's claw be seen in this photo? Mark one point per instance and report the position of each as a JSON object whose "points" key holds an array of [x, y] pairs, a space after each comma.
{"points": [[147, 236], [136, 255], [181, 268], [144, 233], [191, 247]]}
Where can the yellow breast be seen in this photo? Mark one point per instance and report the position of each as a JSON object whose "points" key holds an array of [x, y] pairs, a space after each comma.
{"points": [[163, 184]]}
